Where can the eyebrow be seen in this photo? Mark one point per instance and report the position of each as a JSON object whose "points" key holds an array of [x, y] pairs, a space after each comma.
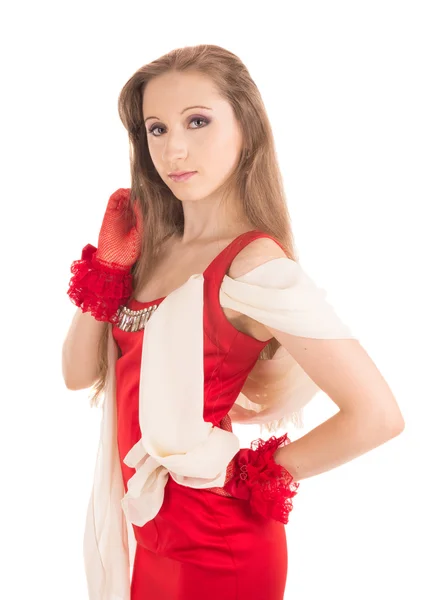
{"points": [[183, 111]]}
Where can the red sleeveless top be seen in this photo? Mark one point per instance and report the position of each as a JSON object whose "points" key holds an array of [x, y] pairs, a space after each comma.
{"points": [[229, 356]]}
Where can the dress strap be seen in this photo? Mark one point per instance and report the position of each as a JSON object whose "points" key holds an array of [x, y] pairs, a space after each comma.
{"points": [[221, 263]]}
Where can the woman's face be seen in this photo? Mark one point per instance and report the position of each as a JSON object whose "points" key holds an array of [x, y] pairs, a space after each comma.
{"points": [[190, 128]]}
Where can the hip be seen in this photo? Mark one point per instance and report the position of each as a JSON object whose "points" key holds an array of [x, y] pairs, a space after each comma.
{"points": [[196, 525]]}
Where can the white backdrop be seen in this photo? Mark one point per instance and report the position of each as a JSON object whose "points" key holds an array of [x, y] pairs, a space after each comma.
{"points": [[345, 88]]}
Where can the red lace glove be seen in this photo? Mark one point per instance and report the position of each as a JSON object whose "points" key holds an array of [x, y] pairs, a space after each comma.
{"points": [[102, 279], [257, 477]]}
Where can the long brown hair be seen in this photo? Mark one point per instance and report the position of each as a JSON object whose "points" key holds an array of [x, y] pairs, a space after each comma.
{"points": [[257, 178]]}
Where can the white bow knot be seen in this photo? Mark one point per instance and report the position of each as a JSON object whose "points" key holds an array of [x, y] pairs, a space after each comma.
{"points": [[202, 466]]}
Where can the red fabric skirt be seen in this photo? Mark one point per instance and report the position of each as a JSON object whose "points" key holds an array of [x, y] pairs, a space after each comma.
{"points": [[203, 546]]}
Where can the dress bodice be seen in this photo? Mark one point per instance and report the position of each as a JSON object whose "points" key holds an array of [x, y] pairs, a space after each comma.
{"points": [[229, 356]]}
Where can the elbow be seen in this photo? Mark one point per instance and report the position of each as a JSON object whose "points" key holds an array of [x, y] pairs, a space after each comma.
{"points": [[391, 424], [73, 386], [393, 420], [78, 376], [378, 426], [80, 381], [398, 426], [383, 418]]}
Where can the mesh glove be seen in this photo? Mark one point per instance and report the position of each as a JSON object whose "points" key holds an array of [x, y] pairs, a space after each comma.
{"points": [[102, 279], [254, 475], [119, 241]]}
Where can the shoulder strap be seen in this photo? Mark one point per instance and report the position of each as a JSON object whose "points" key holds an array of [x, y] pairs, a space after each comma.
{"points": [[222, 262]]}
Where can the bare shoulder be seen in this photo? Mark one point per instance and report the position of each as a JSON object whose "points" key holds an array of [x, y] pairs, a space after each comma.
{"points": [[254, 254]]}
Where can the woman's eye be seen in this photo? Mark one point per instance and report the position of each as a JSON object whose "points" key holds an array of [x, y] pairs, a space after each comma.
{"points": [[202, 119], [151, 131], [199, 119]]}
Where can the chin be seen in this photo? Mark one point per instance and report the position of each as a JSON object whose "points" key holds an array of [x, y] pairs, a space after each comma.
{"points": [[188, 197], [191, 194]]}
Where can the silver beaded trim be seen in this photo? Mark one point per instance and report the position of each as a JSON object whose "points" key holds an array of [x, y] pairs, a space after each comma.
{"points": [[134, 320]]}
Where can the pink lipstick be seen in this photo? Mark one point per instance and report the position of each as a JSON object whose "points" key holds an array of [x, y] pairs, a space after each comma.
{"points": [[182, 177]]}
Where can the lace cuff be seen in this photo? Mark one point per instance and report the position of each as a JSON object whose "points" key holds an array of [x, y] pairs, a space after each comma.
{"points": [[98, 288], [257, 477]]}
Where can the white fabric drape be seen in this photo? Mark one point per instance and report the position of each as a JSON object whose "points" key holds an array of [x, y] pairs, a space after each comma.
{"points": [[177, 442], [280, 294]]}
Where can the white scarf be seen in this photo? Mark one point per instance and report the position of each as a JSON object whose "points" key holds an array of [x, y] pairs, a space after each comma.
{"points": [[177, 441]]}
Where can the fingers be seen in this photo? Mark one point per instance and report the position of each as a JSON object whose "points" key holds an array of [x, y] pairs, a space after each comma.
{"points": [[119, 200], [126, 216]]}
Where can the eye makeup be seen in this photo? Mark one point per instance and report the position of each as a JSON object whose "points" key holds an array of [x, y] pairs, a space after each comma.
{"points": [[194, 118]]}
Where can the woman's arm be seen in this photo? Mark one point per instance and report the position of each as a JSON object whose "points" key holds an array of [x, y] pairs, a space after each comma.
{"points": [[338, 440], [368, 412], [80, 351]]}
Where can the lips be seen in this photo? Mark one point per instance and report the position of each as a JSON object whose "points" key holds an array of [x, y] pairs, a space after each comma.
{"points": [[183, 176]]}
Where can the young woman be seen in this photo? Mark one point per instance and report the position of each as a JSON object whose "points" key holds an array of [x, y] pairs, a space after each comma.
{"points": [[204, 317]]}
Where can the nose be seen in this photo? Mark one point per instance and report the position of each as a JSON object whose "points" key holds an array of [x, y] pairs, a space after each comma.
{"points": [[174, 148]]}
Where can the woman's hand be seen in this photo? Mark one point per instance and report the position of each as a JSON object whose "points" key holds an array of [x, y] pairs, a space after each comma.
{"points": [[102, 278], [119, 241]]}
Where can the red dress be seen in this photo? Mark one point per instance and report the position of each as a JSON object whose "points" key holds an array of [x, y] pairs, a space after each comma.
{"points": [[202, 545]]}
